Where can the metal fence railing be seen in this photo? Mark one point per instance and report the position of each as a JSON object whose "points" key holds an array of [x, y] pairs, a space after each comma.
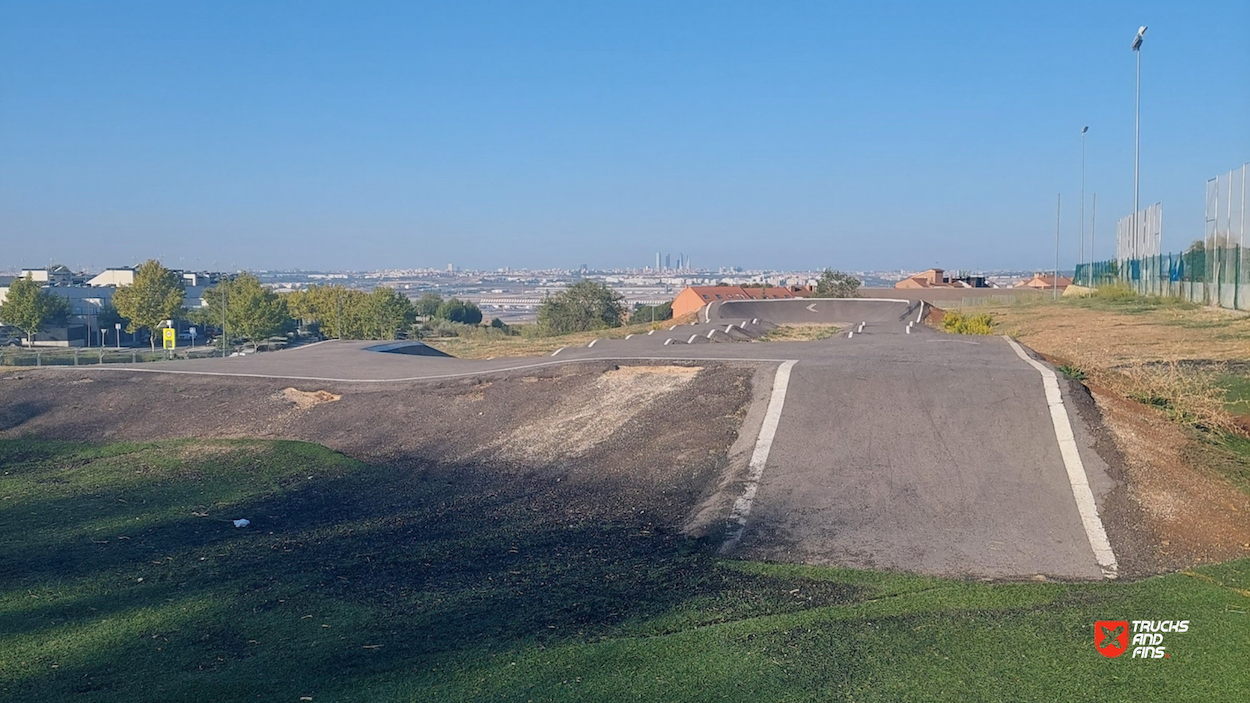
{"points": [[88, 356], [1218, 276]]}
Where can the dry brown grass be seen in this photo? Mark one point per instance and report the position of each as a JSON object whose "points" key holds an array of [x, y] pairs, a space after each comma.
{"points": [[484, 347], [1165, 355], [799, 333]]}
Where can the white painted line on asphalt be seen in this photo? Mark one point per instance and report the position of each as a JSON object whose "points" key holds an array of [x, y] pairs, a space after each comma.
{"points": [[592, 343], [670, 329], [759, 458], [850, 334], [628, 336], [920, 316], [811, 308], [709, 333], [558, 351], [668, 341], [1072, 462], [908, 329], [729, 328], [651, 333], [692, 338]]}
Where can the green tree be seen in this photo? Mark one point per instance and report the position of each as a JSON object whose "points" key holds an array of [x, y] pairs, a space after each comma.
{"points": [[583, 306], [644, 314], [427, 305], [457, 310], [252, 311], [835, 284], [155, 296], [385, 312], [28, 307]]}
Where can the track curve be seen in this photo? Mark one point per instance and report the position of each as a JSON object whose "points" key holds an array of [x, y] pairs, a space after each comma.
{"points": [[821, 311]]}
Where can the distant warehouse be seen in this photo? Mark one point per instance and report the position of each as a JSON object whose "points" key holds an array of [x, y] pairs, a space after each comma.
{"points": [[695, 297]]}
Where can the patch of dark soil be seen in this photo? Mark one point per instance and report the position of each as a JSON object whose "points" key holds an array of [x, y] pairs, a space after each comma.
{"points": [[662, 457], [1133, 538]]}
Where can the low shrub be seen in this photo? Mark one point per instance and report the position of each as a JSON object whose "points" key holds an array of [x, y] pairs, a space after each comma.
{"points": [[956, 322], [1073, 372]]}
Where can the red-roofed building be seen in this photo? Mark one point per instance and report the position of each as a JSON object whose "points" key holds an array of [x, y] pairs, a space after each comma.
{"points": [[695, 297], [1044, 281]]}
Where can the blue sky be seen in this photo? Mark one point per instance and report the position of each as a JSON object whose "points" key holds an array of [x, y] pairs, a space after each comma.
{"points": [[488, 134]]}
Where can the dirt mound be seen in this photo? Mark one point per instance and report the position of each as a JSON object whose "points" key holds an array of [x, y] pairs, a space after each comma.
{"points": [[304, 400], [1196, 517], [584, 420]]}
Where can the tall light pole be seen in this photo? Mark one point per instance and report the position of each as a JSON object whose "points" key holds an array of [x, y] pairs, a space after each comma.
{"points": [[1054, 283], [1080, 250], [1141, 33]]}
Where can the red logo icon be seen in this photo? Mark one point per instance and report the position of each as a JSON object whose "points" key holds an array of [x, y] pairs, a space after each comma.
{"points": [[1111, 637]]}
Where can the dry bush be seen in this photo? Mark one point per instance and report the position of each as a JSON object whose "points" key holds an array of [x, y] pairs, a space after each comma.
{"points": [[1185, 391]]}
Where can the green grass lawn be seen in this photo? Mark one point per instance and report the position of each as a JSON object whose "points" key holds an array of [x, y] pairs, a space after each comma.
{"points": [[1237, 393], [122, 578]]}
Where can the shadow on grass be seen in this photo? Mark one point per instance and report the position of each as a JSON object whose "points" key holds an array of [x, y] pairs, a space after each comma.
{"points": [[16, 414], [132, 567]]}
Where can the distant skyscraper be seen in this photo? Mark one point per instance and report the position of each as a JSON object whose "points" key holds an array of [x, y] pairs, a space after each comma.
{"points": [[657, 261], [668, 261]]}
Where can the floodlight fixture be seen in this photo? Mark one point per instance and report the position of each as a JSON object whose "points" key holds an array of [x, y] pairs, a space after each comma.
{"points": [[1141, 34]]}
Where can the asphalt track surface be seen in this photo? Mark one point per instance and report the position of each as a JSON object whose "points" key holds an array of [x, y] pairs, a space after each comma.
{"points": [[893, 449]]}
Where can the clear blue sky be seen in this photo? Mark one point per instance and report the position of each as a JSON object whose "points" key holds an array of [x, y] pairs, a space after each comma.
{"points": [[762, 134]]}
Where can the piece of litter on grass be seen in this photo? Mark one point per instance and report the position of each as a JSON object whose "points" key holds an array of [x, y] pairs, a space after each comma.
{"points": [[242, 522]]}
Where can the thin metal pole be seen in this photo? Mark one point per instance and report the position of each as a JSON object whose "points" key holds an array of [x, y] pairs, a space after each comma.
{"points": [[224, 336], [1136, 154], [1241, 242], [1093, 218], [1054, 283], [1080, 251]]}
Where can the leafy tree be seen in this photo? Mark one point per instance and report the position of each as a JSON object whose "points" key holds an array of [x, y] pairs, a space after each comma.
{"points": [[457, 310], [385, 312], [331, 307], [644, 314], [352, 314], [583, 306], [28, 307], [835, 284], [252, 311], [427, 305], [155, 296]]}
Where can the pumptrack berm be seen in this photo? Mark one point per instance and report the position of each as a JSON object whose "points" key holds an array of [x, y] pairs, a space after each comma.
{"points": [[890, 445]]}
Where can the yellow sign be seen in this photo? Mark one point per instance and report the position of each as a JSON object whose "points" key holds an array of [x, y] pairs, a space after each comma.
{"points": [[171, 337]]}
